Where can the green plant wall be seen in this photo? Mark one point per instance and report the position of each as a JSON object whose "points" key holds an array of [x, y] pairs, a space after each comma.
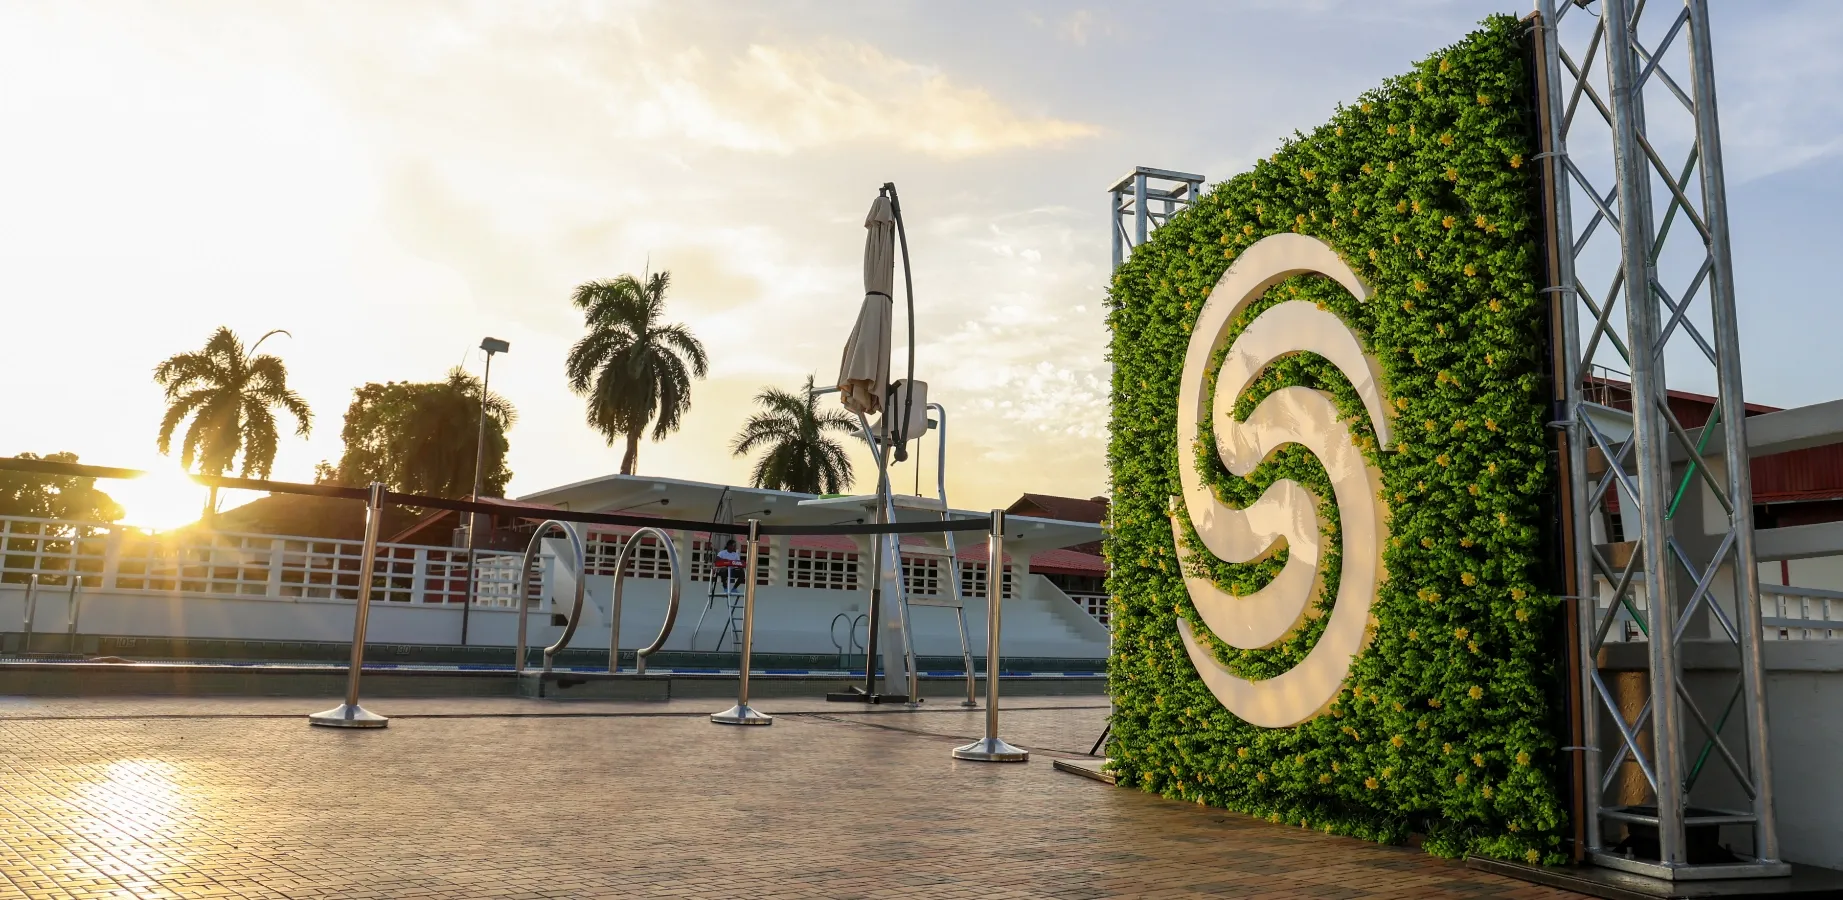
{"points": [[1447, 724]]}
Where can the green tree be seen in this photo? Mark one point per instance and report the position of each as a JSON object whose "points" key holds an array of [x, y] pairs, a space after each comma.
{"points": [[69, 499], [800, 456], [230, 395], [632, 369], [418, 437]]}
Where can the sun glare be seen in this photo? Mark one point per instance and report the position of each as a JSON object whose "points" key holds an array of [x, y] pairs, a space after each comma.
{"points": [[163, 498]]}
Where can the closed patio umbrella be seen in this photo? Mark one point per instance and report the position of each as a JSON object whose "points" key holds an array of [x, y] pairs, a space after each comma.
{"points": [[864, 373]]}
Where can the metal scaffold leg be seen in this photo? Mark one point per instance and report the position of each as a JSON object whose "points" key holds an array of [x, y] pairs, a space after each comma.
{"points": [[1684, 569]]}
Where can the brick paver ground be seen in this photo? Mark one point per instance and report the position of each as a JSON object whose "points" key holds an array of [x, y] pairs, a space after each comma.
{"points": [[240, 798]]}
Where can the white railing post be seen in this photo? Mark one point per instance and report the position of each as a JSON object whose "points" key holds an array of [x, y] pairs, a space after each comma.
{"points": [[419, 576], [277, 555], [111, 558], [779, 546]]}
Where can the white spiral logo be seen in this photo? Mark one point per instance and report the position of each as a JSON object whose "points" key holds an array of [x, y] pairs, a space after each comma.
{"points": [[1286, 510]]}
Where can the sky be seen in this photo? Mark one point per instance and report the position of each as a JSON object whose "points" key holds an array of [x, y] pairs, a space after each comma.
{"points": [[392, 182]]}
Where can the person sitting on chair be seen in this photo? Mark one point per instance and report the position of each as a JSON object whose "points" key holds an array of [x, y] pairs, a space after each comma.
{"points": [[729, 567]]}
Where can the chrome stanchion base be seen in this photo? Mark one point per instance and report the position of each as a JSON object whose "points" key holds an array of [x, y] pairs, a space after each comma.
{"points": [[970, 704], [344, 716], [991, 750], [741, 714]]}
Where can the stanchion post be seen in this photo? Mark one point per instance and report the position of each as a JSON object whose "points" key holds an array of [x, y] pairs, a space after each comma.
{"points": [[349, 714], [72, 608], [991, 748], [741, 714], [25, 640]]}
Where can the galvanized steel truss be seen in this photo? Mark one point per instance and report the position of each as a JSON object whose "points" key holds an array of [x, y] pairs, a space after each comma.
{"points": [[1144, 199], [1654, 245]]}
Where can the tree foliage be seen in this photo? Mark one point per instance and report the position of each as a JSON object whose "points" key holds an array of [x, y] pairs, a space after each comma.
{"points": [[792, 429], [66, 497], [230, 397], [419, 437], [1447, 722], [632, 369]]}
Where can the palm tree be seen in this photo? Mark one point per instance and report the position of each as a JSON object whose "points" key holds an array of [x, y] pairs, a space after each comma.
{"points": [[632, 369], [230, 394], [800, 457]]}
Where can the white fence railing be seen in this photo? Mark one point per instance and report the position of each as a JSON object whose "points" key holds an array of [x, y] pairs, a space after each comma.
{"points": [[1787, 613], [108, 557], [1801, 614], [119, 558], [1095, 604]]}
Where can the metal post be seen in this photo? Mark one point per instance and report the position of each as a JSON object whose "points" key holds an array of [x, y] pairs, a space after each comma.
{"points": [[1733, 410], [953, 555], [473, 516], [741, 714], [1580, 577], [876, 569], [25, 641], [1139, 210], [912, 687], [349, 714], [1648, 427], [71, 607], [992, 748], [1113, 218]]}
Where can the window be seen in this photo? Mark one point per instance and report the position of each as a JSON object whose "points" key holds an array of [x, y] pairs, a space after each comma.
{"points": [[972, 581], [921, 575], [830, 570], [648, 560]]}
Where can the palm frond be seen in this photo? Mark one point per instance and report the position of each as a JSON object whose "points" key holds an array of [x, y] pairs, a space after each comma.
{"points": [[680, 339], [257, 440]]}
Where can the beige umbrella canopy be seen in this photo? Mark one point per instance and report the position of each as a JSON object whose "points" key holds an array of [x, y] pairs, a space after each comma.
{"points": [[864, 373]]}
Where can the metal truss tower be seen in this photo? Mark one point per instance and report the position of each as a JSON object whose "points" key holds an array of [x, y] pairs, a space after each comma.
{"points": [[1640, 260], [1144, 199]]}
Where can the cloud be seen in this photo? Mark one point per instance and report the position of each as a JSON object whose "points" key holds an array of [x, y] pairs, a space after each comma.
{"points": [[1778, 84], [1077, 26], [782, 99]]}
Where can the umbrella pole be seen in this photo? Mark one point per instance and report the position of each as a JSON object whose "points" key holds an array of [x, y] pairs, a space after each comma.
{"points": [[871, 649], [876, 571]]}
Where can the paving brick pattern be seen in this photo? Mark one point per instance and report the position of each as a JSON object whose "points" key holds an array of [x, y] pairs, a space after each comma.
{"points": [[134, 800]]}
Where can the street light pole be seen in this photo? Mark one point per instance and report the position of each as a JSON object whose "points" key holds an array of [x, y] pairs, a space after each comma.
{"points": [[491, 346]]}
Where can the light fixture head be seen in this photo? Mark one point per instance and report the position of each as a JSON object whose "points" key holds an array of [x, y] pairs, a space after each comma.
{"points": [[495, 345]]}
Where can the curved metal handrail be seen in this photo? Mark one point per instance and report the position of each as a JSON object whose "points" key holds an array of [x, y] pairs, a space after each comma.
{"points": [[524, 611], [614, 606]]}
